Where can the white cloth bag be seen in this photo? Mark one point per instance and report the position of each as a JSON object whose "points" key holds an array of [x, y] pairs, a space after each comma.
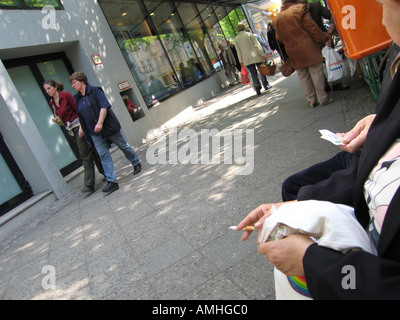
{"points": [[331, 225]]}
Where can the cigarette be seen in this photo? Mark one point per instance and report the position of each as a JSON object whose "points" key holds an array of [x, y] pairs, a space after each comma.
{"points": [[248, 228]]}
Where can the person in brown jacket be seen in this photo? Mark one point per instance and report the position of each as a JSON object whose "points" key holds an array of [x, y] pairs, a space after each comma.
{"points": [[303, 41]]}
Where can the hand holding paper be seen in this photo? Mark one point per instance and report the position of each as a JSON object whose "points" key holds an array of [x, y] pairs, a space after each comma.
{"points": [[330, 136]]}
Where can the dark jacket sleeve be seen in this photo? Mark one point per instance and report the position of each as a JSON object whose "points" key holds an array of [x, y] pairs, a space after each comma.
{"points": [[331, 274], [111, 124], [374, 276], [312, 28], [71, 101], [324, 12], [337, 189]]}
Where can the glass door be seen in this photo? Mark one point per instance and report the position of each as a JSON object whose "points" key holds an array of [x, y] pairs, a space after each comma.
{"points": [[14, 189], [28, 76]]}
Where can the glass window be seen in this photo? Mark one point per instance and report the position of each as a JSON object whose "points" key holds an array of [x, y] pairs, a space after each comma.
{"points": [[235, 16], [176, 41], [228, 27], [198, 38], [14, 188], [9, 186], [142, 49], [56, 70], [229, 23], [213, 32], [29, 4], [168, 45]]}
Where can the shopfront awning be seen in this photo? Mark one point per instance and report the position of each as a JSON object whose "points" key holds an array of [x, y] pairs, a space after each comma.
{"points": [[269, 5]]}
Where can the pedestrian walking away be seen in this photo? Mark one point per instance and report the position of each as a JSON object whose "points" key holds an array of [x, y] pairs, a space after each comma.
{"points": [[320, 13], [303, 41], [251, 55]]}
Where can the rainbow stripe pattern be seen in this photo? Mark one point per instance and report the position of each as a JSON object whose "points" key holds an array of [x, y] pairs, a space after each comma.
{"points": [[298, 283]]}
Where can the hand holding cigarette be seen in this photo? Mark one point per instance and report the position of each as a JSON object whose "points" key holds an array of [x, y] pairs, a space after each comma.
{"points": [[255, 219]]}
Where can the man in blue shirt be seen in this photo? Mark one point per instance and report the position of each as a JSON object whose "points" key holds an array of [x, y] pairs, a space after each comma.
{"points": [[100, 126]]}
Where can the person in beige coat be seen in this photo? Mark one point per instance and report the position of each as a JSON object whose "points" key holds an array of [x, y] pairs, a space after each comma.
{"points": [[303, 41], [251, 55]]}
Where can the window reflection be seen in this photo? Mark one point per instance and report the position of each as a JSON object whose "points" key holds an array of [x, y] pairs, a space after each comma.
{"points": [[175, 39], [192, 22], [31, 4], [143, 51], [168, 45]]}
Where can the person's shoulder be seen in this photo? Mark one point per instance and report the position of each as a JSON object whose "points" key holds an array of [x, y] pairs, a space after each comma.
{"points": [[65, 94], [315, 4], [94, 89], [239, 35], [300, 8], [249, 35]]}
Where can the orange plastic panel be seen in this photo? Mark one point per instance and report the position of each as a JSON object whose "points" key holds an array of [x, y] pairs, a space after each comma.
{"points": [[359, 23]]}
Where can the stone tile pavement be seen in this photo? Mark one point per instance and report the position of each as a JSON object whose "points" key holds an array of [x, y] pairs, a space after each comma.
{"points": [[164, 234]]}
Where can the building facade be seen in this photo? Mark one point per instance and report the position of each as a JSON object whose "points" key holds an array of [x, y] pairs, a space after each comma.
{"points": [[154, 59]]}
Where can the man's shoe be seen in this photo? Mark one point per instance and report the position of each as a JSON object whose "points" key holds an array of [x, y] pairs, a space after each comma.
{"points": [[87, 189], [330, 100], [268, 87], [137, 168], [110, 187], [258, 90]]}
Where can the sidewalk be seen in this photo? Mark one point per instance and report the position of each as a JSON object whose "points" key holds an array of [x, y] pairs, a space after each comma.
{"points": [[164, 234]]}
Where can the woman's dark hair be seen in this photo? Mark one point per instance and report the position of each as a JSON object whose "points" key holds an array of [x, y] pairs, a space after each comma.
{"points": [[79, 76], [288, 1], [58, 85]]}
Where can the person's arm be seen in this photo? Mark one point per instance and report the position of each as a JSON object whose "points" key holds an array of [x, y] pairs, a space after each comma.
{"points": [[355, 138], [256, 217], [71, 101], [100, 122], [55, 118], [239, 53], [330, 273], [312, 28], [287, 254], [338, 188], [256, 44], [324, 12], [102, 104], [81, 133]]}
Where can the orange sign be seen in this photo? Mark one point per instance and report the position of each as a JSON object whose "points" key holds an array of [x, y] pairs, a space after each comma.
{"points": [[359, 23]]}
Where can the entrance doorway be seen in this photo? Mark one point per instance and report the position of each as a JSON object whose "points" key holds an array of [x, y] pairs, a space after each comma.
{"points": [[28, 75]]}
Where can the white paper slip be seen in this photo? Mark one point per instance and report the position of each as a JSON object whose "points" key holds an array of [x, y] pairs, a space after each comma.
{"points": [[330, 136]]}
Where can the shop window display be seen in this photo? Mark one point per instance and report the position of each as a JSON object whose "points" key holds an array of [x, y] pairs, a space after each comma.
{"points": [[168, 45]]}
